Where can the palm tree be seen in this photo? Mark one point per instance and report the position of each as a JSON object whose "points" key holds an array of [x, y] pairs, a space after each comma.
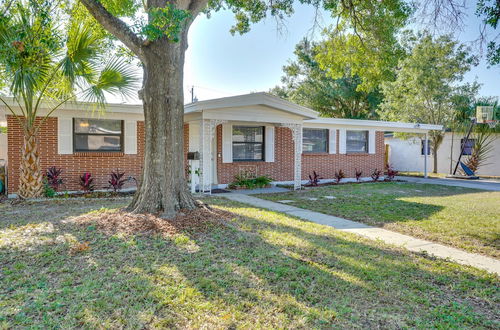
{"points": [[44, 66]]}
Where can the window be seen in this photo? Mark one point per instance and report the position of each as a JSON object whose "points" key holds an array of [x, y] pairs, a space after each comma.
{"points": [[248, 143], [469, 145], [97, 135], [422, 147], [357, 142], [314, 140]]}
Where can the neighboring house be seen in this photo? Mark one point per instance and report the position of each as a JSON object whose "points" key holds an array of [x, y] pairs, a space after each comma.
{"points": [[258, 133], [407, 154]]}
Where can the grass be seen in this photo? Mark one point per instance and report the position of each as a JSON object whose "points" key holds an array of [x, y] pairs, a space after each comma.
{"points": [[468, 219], [261, 270]]}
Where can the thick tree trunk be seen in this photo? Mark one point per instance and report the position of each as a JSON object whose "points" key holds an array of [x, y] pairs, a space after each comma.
{"points": [[31, 176], [163, 188]]}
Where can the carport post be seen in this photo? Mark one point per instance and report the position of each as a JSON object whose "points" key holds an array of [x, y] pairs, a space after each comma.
{"points": [[426, 148]]}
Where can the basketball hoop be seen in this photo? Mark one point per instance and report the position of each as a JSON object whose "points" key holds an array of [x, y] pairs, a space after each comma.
{"points": [[492, 123]]}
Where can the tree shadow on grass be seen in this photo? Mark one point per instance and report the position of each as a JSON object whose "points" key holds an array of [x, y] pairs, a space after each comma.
{"points": [[260, 270]]}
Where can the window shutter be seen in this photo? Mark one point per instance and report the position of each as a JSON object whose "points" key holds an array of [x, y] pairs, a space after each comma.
{"points": [[332, 141], [371, 142], [130, 135], [342, 141], [269, 144], [227, 143], [64, 136]]}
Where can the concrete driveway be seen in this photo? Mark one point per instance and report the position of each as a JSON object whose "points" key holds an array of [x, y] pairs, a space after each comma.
{"points": [[484, 184]]}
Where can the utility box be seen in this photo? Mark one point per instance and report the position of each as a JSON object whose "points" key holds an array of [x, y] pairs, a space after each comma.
{"points": [[193, 155]]}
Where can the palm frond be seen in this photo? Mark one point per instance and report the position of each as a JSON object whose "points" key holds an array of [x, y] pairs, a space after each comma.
{"points": [[117, 78], [82, 50]]}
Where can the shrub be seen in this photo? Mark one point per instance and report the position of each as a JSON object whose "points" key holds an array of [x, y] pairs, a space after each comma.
{"points": [[49, 191], [376, 175], [115, 180], [262, 181], [358, 175], [87, 182], [53, 176], [246, 180], [314, 179], [391, 172], [339, 175]]}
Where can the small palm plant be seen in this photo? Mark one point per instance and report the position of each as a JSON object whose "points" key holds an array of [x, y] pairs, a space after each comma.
{"points": [[46, 64], [482, 149]]}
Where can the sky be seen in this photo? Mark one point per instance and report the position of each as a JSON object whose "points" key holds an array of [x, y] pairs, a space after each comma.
{"points": [[219, 64]]}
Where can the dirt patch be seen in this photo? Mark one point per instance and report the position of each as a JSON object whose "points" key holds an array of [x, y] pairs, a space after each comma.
{"points": [[195, 221]]}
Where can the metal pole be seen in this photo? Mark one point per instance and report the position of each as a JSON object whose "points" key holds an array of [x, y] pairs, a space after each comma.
{"points": [[426, 152], [463, 145]]}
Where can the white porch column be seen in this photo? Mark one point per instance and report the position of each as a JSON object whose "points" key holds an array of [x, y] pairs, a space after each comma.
{"points": [[207, 134], [297, 139], [426, 147]]}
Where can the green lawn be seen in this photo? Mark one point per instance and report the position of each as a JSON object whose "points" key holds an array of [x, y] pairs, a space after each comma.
{"points": [[261, 269], [465, 218]]}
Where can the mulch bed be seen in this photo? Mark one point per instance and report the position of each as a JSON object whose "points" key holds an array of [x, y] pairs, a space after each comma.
{"points": [[194, 221]]}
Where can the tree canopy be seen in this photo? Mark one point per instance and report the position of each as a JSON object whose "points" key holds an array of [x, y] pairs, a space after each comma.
{"points": [[427, 88], [306, 83]]}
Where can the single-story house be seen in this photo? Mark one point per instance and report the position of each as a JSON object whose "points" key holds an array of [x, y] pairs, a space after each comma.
{"points": [[407, 154], [258, 133]]}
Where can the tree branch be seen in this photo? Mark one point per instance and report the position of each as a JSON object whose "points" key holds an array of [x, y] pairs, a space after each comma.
{"points": [[115, 26]]}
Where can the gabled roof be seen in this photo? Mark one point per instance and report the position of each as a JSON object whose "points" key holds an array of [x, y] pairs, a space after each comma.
{"points": [[246, 100]]}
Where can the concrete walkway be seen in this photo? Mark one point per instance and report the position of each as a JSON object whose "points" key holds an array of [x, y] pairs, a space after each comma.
{"points": [[475, 184], [413, 244]]}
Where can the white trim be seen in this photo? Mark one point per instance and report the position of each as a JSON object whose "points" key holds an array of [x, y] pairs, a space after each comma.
{"points": [[130, 137], [372, 143], [269, 143], [375, 124], [64, 136], [342, 141], [227, 143], [332, 141]]}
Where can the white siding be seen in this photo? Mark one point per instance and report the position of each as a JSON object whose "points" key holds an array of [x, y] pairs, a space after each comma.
{"points": [[405, 155]]}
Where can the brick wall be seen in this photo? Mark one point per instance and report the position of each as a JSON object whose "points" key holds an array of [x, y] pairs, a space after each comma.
{"points": [[326, 164], [100, 164], [282, 168]]}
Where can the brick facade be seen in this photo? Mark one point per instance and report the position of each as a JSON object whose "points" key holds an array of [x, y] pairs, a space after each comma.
{"points": [[326, 164], [100, 164], [282, 167]]}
